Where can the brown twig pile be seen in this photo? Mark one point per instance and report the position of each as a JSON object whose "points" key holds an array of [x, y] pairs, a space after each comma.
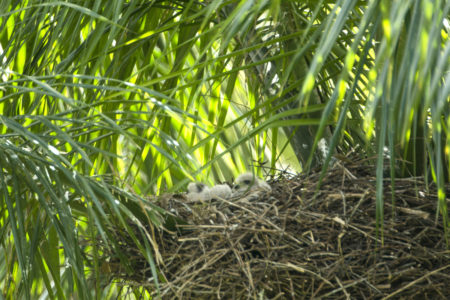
{"points": [[298, 242]]}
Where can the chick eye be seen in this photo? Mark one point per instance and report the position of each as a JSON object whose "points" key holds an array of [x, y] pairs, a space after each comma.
{"points": [[236, 187], [200, 187], [247, 182]]}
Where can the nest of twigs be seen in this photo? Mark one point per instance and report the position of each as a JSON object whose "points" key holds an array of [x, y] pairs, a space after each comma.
{"points": [[298, 242]]}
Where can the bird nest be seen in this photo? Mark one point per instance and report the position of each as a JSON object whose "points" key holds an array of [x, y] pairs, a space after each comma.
{"points": [[301, 242]]}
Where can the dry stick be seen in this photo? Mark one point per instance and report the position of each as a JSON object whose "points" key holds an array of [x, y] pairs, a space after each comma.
{"points": [[347, 295], [342, 288], [193, 273], [265, 221], [344, 203], [415, 281], [220, 285], [367, 282], [366, 192], [299, 269], [244, 266], [340, 221]]}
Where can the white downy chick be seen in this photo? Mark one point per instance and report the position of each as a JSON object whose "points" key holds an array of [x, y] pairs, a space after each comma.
{"points": [[198, 191], [247, 182], [222, 191]]}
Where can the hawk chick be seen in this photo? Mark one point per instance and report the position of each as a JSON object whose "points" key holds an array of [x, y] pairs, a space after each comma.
{"points": [[247, 182], [222, 191], [198, 191]]}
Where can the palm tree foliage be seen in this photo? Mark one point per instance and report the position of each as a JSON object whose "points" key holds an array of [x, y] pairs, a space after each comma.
{"points": [[105, 102]]}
